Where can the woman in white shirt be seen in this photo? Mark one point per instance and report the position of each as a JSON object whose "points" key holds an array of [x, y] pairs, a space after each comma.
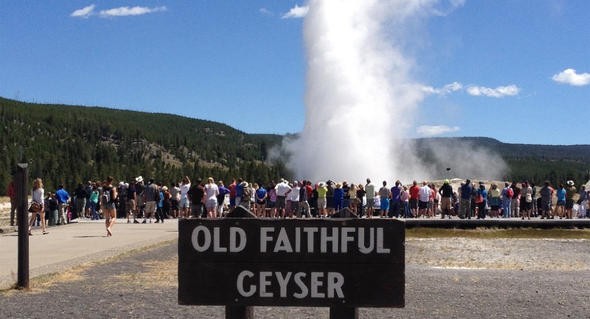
{"points": [[37, 197]]}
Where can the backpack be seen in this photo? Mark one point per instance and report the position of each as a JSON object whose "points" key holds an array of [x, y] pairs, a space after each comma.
{"points": [[105, 198], [509, 192]]}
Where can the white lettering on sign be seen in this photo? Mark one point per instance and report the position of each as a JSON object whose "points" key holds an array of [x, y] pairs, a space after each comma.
{"points": [[202, 238], [306, 285], [323, 239]]}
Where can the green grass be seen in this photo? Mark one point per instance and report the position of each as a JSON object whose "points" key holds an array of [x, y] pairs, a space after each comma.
{"points": [[491, 233]]}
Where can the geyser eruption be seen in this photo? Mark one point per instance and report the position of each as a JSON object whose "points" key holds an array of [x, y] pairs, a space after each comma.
{"points": [[359, 94]]}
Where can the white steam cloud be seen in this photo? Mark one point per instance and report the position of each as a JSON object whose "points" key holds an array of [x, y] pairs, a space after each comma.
{"points": [[435, 130], [360, 97]]}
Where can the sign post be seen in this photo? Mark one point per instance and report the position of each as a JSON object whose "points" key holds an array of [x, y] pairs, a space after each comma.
{"points": [[338, 263], [21, 178]]}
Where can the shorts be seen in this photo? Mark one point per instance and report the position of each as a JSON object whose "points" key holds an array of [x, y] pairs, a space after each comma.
{"points": [[569, 203], [322, 203], [422, 205], [330, 202], [280, 202], [150, 207], [384, 204], [174, 204], [131, 204], [184, 202], [211, 203], [495, 207], [370, 202], [261, 202], [524, 205], [560, 203], [413, 203]]}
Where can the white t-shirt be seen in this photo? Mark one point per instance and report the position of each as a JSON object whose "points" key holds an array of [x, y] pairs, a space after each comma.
{"points": [[294, 194], [424, 193], [282, 189], [184, 189], [211, 191]]}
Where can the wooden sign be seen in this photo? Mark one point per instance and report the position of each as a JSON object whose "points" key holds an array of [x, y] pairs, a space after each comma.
{"points": [[303, 262]]}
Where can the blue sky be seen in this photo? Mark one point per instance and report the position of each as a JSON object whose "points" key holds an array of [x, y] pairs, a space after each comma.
{"points": [[518, 71]]}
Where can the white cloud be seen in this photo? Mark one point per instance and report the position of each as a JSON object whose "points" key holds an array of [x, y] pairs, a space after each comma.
{"points": [[435, 130], [130, 11], [569, 76], [296, 12], [84, 12], [500, 91], [447, 89]]}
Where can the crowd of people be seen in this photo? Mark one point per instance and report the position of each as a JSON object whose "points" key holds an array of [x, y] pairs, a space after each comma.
{"points": [[140, 201]]}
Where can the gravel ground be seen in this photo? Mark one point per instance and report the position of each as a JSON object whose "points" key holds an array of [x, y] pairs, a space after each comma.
{"points": [[445, 278]]}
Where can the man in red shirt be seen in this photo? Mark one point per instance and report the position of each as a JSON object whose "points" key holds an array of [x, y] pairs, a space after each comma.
{"points": [[414, 195]]}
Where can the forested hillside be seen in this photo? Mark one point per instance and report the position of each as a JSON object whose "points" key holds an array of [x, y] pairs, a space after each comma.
{"points": [[71, 144]]}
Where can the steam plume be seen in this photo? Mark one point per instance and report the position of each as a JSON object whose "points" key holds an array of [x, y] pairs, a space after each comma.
{"points": [[360, 95]]}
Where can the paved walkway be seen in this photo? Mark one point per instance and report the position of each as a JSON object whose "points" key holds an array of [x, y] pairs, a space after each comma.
{"points": [[77, 243]]}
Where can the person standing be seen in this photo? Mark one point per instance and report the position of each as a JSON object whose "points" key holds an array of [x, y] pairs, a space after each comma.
{"points": [[80, 196], [184, 201], [526, 200], [507, 194], [384, 195], [37, 197], [395, 202], [465, 202], [93, 200], [174, 199], [424, 198], [570, 191], [221, 202], [546, 193], [481, 201], [132, 203], [52, 208], [446, 193], [414, 193], [195, 196], [494, 200], [370, 193], [211, 192], [282, 189], [109, 194], [261, 197], [151, 196], [322, 190], [63, 199]]}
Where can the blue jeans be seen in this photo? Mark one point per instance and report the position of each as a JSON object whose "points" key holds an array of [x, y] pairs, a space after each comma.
{"points": [[506, 207], [93, 211]]}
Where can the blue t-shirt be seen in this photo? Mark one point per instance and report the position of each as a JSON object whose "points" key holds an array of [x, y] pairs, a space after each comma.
{"points": [[395, 194], [260, 193], [466, 191], [63, 196], [561, 194]]}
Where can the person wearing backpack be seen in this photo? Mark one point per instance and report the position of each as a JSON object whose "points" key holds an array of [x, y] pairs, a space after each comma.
{"points": [[507, 194]]}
